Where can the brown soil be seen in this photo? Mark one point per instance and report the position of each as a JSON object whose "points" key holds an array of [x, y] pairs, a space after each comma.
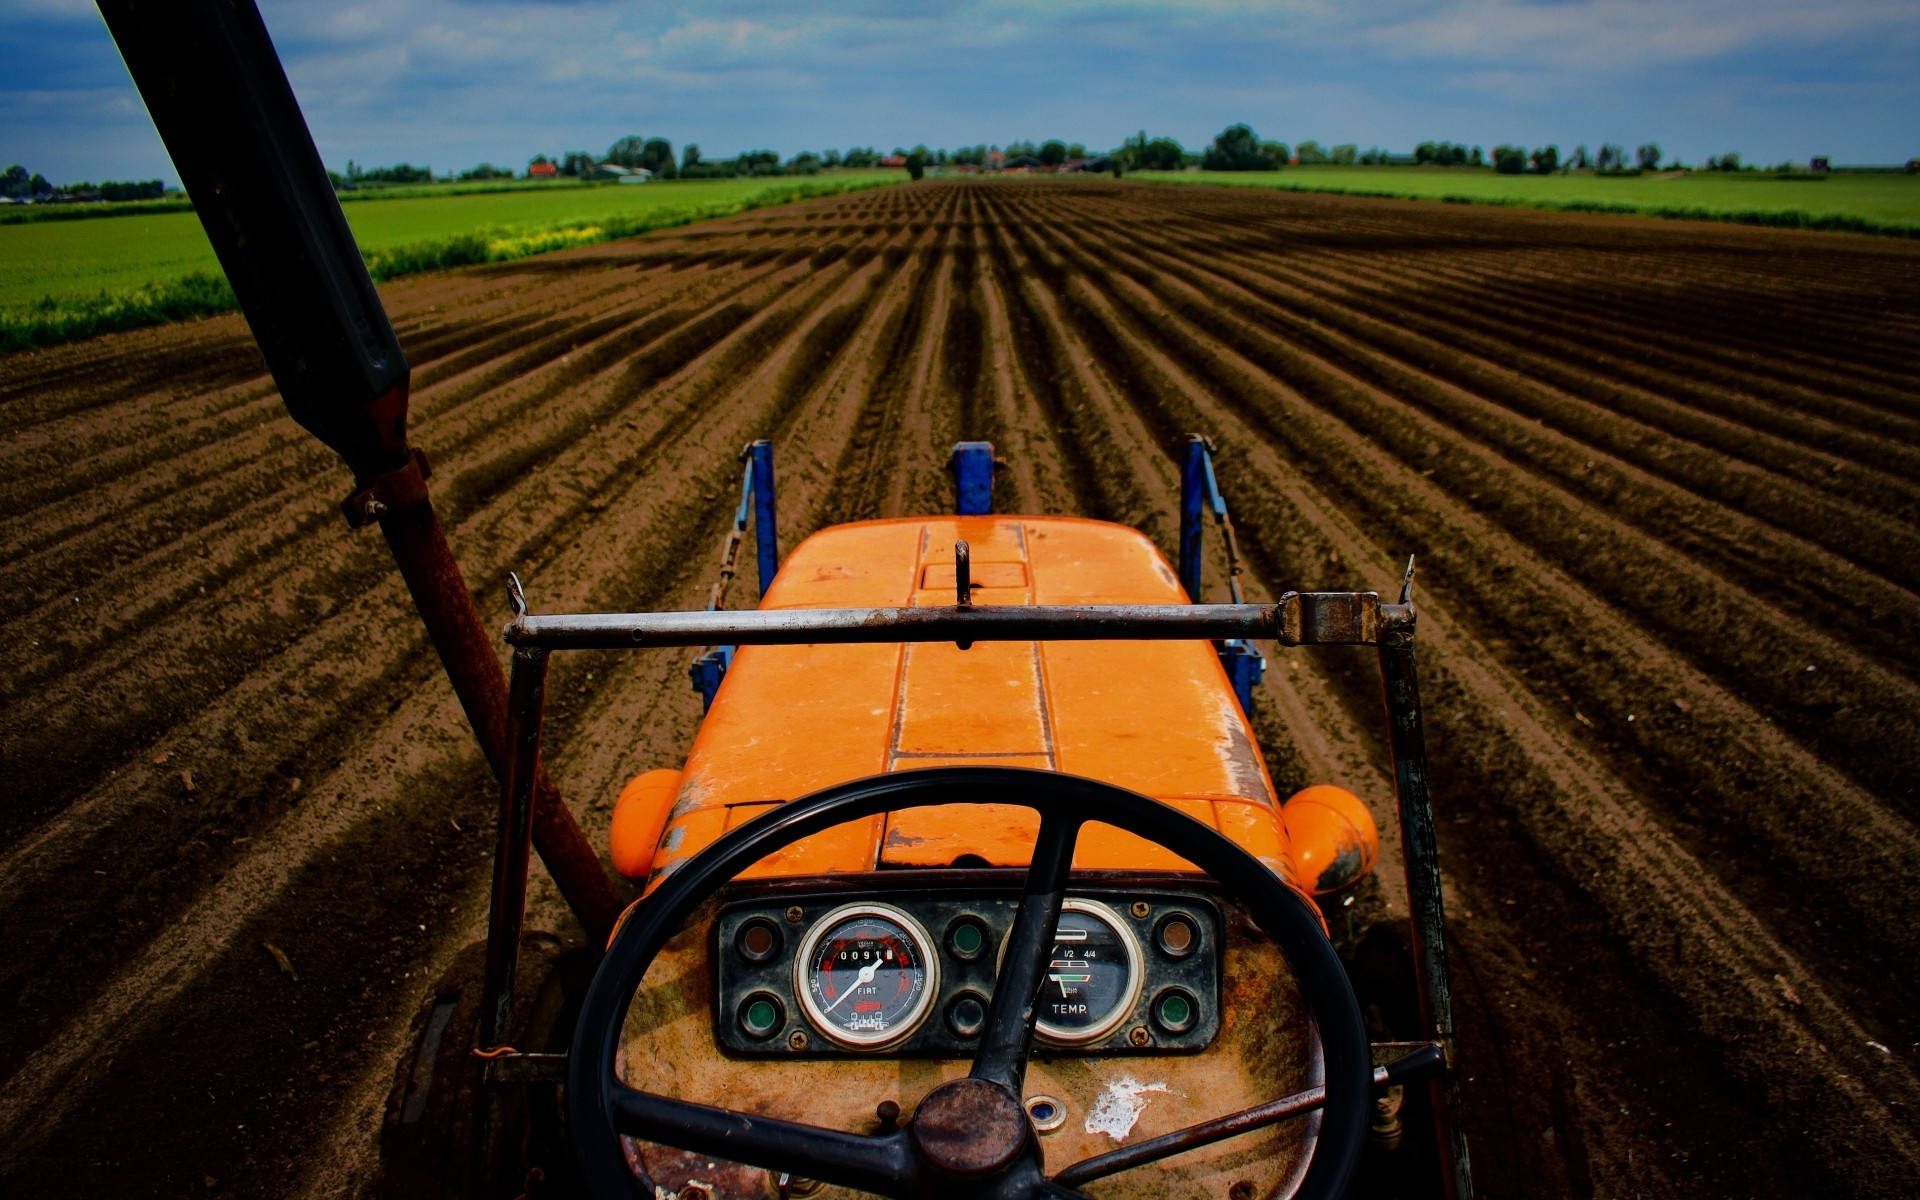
{"points": [[1661, 478]]}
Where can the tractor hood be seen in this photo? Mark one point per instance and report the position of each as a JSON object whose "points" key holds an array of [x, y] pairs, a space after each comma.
{"points": [[1156, 717]]}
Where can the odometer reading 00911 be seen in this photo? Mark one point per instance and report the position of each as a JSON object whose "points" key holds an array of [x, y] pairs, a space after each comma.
{"points": [[866, 976]]}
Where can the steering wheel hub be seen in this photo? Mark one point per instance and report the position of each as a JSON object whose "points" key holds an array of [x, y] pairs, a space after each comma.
{"points": [[970, 1127]]}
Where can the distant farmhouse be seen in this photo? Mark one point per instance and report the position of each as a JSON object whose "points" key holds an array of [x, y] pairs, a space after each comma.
{"points": [[613, 170], [544, 170]]}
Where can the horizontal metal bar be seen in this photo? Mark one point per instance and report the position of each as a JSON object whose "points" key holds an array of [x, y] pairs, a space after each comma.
{"points": [[1297, 619]]}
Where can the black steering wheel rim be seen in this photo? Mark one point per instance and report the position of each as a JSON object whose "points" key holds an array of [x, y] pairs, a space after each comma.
{"points": [[597, 1102]]}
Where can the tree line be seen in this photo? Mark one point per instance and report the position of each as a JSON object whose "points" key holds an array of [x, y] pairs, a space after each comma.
{"points": [[17, 183]]}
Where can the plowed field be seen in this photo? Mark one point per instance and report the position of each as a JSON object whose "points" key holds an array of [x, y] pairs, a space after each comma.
{"points": [[1663, 480]]}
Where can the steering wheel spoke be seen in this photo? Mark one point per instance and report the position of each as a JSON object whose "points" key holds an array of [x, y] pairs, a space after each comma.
{"points": [[872, 1164], [1016, 994]]}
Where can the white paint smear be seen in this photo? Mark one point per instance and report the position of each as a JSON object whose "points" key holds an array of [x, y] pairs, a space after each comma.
{"points": [[1115, 1112]]}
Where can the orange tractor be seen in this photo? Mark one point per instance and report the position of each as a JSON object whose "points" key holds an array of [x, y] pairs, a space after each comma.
{"points": [[974, 881]]}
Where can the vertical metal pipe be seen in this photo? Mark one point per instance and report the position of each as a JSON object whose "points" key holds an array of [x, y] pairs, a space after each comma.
{"points": [[1419, 847], [467, 652], [513, 844], [1193, 487], [765, 524]]}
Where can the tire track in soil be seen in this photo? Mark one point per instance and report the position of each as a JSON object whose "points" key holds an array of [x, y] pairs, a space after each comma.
{"points": [[1876, 938], [444, 717], [1724, 905], [1083, 329], [80, 839]]}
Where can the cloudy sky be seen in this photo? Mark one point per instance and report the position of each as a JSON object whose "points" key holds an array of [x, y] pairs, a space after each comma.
{"points": [[452, 83]]}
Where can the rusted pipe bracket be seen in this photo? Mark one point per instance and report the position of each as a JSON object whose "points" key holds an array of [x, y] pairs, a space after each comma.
{"points": [[395, 491]]}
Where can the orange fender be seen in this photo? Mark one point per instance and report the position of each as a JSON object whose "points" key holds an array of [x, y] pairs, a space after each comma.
{"points": [[639, 815], [1333, 835]]}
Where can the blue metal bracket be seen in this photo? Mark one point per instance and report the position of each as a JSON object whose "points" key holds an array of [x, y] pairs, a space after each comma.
{"points": [[972, 467], [765, 532], [1199, 492], [707, 671], [1193, 485], [756, 504], [1246, 667]]}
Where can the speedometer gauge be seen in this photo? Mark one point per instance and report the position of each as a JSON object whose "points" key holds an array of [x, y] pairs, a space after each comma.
{"points": [[1093, 976], [866, 976]]}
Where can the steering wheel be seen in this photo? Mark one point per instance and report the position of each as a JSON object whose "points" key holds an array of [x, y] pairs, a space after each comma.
{"points": [[968, 1136]]}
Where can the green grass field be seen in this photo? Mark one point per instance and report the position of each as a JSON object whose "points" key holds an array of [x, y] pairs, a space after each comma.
{"points": [[1876, 203], [64, 279]]}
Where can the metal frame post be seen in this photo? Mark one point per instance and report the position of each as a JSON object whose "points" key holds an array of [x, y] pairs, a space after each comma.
{"points": [[1419, 847], [765, 534], [972, 467], [1193, 487]]}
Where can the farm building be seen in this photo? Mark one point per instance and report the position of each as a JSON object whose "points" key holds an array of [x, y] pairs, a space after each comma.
{"points": [[613, 170]]}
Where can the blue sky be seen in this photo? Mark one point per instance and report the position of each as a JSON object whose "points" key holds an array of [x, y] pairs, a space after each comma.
{"points": [[455, 82]]}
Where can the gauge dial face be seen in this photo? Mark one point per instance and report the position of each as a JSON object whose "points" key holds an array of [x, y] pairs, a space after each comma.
{"points": [[1093, 977], [865, 976]]}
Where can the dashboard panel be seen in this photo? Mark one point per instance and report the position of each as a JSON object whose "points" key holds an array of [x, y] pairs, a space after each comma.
{"points": [[911, 973]]}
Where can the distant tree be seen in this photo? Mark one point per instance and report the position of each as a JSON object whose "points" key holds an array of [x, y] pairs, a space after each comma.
{"points": [[657, 156], [15, 180], [690, 156], [1076, 150], [487, 171], [1162, 154], [916, 164], [1439, 154], [1509, 160], [1729, 161], [804, 163], [538, 160], [578, 163], [1277, 151], [1345, 154], [397, 173], [1053, 152], [1374, 157], [830, 159], [1611, 157], [627, 151], [1579, 160], [1236, 148], [1479, 158], [1648, 156], [115, 189], [1545, 160], [1309, 152], [861, 156], [1115, 165]]}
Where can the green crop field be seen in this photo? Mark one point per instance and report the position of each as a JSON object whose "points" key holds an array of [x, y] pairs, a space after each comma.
{"points": [[1864, 203], [68, 278]]}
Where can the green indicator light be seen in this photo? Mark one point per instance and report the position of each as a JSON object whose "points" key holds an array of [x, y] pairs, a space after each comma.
{"points": [[966, 938], [1175, 1011], [760, 1016]]}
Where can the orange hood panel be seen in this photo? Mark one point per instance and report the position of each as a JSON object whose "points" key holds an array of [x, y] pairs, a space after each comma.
{"points": [[1156, 717]]}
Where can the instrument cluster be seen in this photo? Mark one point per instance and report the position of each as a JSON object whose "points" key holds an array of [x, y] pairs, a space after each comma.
{"points": [[913, 974]]}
